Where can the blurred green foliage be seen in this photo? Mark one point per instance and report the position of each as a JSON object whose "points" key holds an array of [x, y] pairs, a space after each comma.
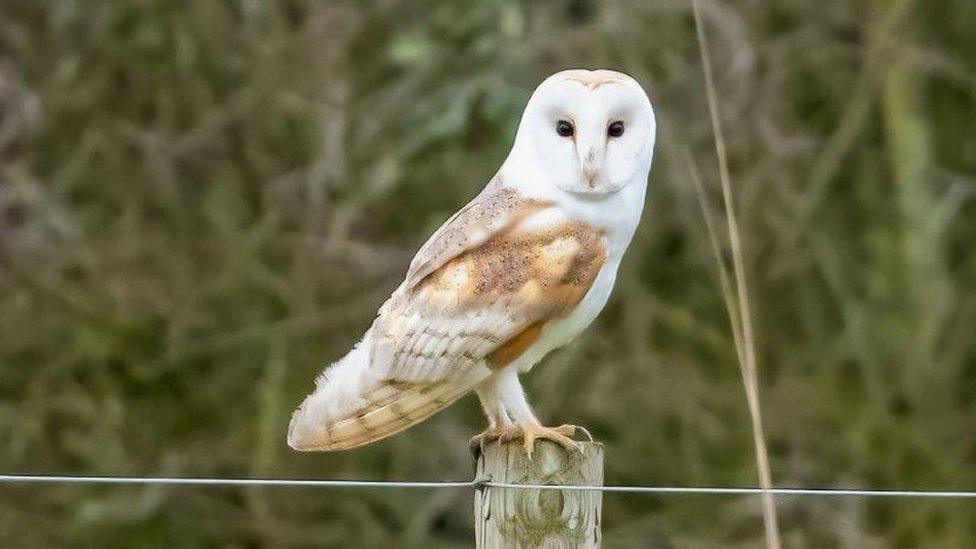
{"points": [[203, 203]]}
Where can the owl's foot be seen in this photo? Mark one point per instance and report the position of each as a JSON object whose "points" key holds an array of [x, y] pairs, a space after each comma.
{"points": [[489, 435], [529, 433]]}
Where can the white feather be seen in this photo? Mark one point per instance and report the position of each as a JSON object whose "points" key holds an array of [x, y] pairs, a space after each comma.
{"points": [[338, 391]]}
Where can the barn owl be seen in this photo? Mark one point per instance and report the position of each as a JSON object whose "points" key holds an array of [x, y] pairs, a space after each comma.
{"points": [[519, 271]]}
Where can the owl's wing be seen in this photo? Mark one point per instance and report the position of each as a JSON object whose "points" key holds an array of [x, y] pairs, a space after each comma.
{"points": [[481, 290], [494, 210]]}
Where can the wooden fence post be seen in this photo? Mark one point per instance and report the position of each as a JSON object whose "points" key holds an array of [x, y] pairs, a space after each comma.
{"points": [[523, 517]]}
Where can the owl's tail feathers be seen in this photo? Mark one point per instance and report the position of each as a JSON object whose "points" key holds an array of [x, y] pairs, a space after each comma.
{"points": [[352, 405]]}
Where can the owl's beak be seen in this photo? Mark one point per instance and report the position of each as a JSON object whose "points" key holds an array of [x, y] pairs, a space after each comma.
{"points": [[592, 178], [591, 165]]}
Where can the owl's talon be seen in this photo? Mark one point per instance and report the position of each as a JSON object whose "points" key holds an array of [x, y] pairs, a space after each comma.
{"points": [[489, 435], [511, 434], [566, 430], [528, 434], [571, 431]]}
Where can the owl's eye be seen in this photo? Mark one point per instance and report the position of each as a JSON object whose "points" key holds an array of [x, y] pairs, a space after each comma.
{"points": [[564, 128], [615, 129]]}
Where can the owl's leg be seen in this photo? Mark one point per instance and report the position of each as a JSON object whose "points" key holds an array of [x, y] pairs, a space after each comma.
{"points": [[498, 420], [527, 427]]}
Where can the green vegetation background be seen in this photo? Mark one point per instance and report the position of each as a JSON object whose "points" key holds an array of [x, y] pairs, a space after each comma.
{"points": [[203, 203]]}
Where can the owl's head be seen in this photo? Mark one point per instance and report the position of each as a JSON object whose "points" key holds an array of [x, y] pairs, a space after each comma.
{"points": [[592, 132]]}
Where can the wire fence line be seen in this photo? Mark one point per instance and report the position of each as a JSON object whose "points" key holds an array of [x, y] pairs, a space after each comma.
{"points": [[479, 484], [196, 481]]}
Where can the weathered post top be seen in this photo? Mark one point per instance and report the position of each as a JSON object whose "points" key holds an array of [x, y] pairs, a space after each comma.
{"points": [[506, 517]]}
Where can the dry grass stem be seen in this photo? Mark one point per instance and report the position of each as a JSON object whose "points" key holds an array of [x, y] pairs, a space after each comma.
{"points": [[747, 353]]}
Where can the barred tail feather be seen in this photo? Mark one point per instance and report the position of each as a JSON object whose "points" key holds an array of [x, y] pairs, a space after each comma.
{"points": [[352, 405]]}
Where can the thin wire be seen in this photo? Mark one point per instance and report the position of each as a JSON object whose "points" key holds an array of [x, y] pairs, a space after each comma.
{"points": [[70, 479], [481, 484], [743, 491]]}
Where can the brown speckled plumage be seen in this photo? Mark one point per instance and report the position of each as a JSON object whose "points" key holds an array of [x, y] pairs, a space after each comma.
{"points": [[495, 209]]}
